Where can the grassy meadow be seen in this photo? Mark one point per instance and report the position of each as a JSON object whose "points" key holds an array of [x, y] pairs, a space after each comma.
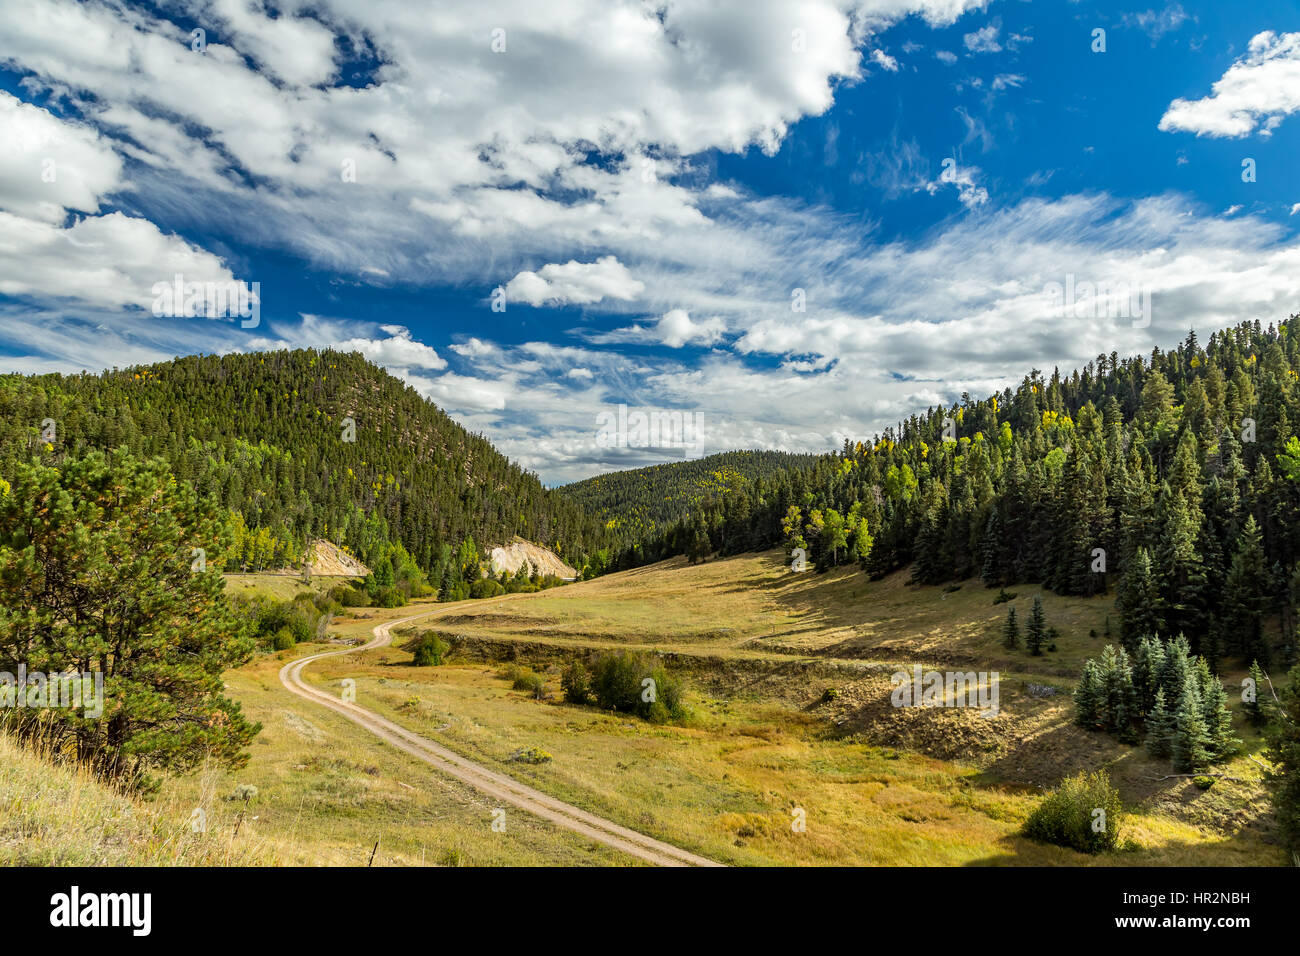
{"points": [[789, 722]]}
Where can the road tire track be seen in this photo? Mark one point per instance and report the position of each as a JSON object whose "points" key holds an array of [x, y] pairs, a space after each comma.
{"points": [[487, 781]]}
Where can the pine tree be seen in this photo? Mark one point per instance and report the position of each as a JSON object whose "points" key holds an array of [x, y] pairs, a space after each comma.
{"points": [[1011, 631], [1139, 603], [1120, 707], [1036, 629], [1252, 703], [1190, 749], [119, 595], [1088, 698], [1148, 665], [1218, 720], [1160, 728], [1243, 597], [1284, 752]]}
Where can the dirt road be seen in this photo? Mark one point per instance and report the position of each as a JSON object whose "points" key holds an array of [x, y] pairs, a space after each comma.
{"points": [[496, 785]]}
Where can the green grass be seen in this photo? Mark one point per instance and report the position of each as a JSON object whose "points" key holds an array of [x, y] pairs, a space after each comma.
{"points": [[764, 740], [759, 646], [279, 587]]}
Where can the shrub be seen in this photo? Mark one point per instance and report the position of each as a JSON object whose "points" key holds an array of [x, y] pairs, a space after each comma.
{"points": [[616, 681], [576, 682], [486, 588], [283, 639], [429, 650], [532, 755], [1068, 815], [525, 678], [667, 702], [353, 597], [389, 597]]}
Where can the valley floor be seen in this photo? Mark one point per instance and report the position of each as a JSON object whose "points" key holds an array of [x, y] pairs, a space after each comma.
{"points": [[788, 686]]}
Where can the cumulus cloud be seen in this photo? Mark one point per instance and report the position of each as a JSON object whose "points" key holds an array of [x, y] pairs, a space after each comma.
{"points": [[575, 283], [49, 165], [674, 329], [397, 351], [1257, 93]]}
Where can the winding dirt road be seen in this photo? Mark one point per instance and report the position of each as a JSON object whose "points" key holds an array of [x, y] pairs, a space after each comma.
{"points": [[496, 785]]}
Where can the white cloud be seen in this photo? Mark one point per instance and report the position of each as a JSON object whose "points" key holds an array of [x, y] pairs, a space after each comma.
{"points": [[1157, 23], [1295, 209], [983, 40], [575, 283], [969, 193], [1005, 81], [945, 56], [884, 60], [675, 329], [1257, 92], [48, 165], [111, 260], [397, 351]]}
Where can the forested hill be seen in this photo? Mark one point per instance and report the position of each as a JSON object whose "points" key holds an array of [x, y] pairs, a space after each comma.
{"points": [[265, 433], [1172, 481], [634, 503]]}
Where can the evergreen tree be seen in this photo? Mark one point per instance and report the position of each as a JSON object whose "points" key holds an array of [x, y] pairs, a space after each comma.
{"points": [[1139, 603], [1191, 743], [1284, 752], [1160, 728], [1218, 720], [1011, 631], [1252, 703], [98, 574], [1036, 628], [1088, 698], [1244, 601]]}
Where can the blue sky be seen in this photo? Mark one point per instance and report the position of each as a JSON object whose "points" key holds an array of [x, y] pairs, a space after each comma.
{"points": [[797, 222]]}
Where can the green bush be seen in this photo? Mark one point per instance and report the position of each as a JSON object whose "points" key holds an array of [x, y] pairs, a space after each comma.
{"points": [[429, 650], [283, 639], [486, 588], [387, 596], [616, 681], [1068, 815], [667, 703], [353, 597], [576, 682], [526, 679]]}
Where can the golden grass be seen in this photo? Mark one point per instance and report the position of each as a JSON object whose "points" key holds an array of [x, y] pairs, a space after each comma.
{"points": [[62, 816], [760, 744]]}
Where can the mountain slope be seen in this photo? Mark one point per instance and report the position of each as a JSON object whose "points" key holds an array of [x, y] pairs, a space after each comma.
{"points": [[1173, 480], [297, 445], [636, 502]]}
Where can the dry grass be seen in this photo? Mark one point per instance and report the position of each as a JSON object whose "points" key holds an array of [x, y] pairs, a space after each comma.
{"points": [[62, 816]]}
